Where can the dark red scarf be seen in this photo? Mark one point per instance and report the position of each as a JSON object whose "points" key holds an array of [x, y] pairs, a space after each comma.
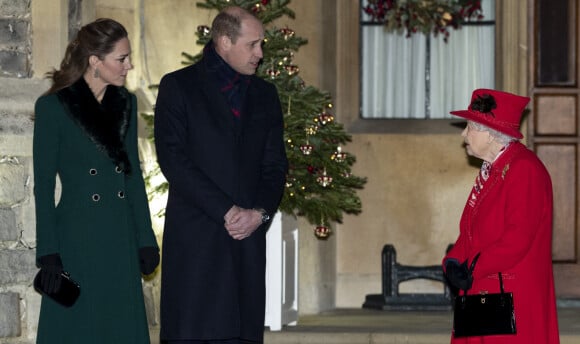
{"points": [[231, 83]]}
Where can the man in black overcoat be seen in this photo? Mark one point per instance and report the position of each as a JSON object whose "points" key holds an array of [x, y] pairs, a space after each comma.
{"points": [[219, 141]]}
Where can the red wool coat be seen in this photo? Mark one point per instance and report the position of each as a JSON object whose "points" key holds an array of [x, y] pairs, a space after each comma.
{"points": [[510, 223]]}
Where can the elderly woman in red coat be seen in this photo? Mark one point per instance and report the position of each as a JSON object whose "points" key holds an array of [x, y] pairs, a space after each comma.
{"points": [[507, 220]]}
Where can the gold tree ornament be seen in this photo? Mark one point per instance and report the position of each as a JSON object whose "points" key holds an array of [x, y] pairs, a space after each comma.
{"points": [[339, 155], [291, 69], [273, 73], [288, 33], [325, 117], [306, 149], [322, 232], [324, 179]]}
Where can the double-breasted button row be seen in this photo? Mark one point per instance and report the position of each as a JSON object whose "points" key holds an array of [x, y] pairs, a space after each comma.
{"points": [[93, 171], [96, 197]]}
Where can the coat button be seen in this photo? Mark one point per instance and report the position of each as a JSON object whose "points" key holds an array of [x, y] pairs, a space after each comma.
{"points": [[118, 169], [93, 171], [121, 194], [96, 197]]}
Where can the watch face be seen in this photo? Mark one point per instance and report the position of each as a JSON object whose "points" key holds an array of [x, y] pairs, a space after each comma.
{"points": [[265, 218]]}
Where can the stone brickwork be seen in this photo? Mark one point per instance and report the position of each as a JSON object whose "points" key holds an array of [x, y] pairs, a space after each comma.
{"points": [[8, 231], [15, 44], [9, 325], [18, 300]]}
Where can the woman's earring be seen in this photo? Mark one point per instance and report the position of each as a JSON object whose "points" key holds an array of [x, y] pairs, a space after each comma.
{"points": [[96, 74]]}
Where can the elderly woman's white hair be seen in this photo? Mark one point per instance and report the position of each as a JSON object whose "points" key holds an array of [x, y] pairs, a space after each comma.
{"points": [[499, 136]]}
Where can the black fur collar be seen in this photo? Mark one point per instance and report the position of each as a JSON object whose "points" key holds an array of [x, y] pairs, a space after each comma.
{"points": [[105, 123]]}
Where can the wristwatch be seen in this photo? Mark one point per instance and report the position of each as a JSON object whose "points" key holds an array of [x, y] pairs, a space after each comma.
{"points": [[265, 216]]}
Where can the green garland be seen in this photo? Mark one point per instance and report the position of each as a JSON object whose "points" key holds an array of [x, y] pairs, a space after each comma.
{"points": [[423, 16]]}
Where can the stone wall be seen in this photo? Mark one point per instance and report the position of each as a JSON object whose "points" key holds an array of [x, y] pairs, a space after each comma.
{"points": [[19, 303], [14, 38]]}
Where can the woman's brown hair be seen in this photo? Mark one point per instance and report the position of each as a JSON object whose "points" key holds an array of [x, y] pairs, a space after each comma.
{"points": [[97, 38]]}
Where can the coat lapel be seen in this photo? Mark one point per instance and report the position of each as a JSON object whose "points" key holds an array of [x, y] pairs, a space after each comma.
{"points": [[252, 96], [221, 112], [497, 175], [106, 124]]}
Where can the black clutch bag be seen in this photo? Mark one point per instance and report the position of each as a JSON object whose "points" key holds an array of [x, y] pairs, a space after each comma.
{"points": [[66, 295], [484, 314]]}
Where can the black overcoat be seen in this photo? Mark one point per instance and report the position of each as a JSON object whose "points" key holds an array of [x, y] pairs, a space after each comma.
{"points": [[213, 287]]}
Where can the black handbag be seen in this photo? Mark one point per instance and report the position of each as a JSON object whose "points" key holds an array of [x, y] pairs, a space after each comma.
{"points": [[66, 295], [484, 314]]}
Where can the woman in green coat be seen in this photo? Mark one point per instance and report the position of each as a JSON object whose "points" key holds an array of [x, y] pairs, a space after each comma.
{"points": [[99, 229]]}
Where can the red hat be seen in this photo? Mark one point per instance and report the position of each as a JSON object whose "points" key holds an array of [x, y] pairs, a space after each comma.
{"points": [[498, 110]]}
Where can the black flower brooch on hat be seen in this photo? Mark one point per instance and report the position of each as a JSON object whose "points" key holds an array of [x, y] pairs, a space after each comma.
{"points": [[484, 104]]}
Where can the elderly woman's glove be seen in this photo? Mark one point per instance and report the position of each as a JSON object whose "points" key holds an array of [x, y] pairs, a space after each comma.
{"points": [[457, 274], [148, 259], [50, 272]]}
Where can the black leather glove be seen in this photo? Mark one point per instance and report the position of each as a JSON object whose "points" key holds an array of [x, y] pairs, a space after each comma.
{"points": [[458, 275], [50, 272], [148, 259]]}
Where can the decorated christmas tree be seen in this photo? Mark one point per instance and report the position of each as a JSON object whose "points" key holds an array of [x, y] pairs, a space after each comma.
{"points": [[320, 185]]}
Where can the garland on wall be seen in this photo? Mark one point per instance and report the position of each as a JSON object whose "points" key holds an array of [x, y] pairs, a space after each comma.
{"points": [[423, 16]]}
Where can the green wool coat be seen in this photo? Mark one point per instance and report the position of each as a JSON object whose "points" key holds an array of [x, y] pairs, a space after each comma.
{"points": [[101, 219]]}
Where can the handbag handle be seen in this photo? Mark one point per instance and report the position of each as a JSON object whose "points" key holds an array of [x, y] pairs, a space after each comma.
{"points": [[498, 274], [472, 267]]}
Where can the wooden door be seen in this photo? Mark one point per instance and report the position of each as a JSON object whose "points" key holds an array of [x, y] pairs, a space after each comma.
{"points": [[553, 126]]}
